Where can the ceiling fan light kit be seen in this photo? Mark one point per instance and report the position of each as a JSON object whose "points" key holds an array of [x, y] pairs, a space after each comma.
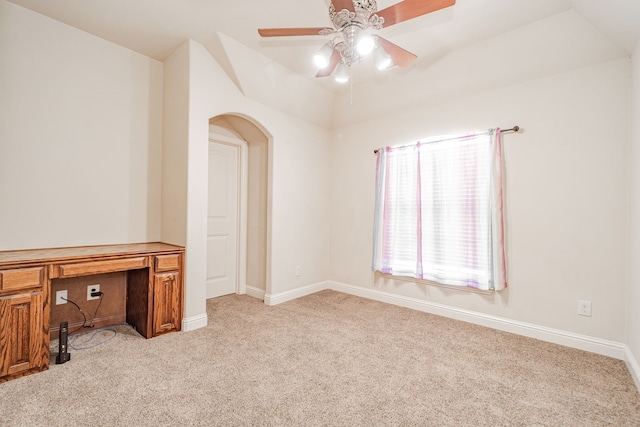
{"points": [[321, 59], [352, 20], [365, 44], [342, 73], [382, 59]]}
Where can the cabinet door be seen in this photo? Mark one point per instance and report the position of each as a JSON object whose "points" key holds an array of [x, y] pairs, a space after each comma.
{"points": [[167, 302], [20, 332]]}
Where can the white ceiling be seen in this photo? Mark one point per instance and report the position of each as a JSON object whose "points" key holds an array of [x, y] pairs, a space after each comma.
{"points": [[156, 27]]}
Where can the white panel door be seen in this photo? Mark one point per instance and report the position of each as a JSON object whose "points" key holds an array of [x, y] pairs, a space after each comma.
{"points": [[222, 220]]}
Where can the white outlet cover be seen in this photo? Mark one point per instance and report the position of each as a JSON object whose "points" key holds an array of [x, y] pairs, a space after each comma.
{"points": [[584, 308], [59, 296], [90, 289]]}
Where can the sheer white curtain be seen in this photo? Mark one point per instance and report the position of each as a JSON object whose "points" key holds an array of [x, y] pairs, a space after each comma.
{"points": [[439, 211]]}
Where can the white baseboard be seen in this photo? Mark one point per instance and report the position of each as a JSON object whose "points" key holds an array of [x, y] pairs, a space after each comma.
{"points": [[254, 292], [582, 342], [279, 298], [632, 365], [556, 336], [195, 322]]}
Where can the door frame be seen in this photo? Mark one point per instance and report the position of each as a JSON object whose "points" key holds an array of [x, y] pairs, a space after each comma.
{"points": [[243, 188]]}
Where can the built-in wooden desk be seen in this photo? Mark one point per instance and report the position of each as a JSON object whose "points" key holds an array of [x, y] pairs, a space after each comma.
{"points": [[154, 294]]}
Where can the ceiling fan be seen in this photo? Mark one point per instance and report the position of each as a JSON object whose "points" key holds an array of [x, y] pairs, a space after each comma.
{"points": [[351, 19]]}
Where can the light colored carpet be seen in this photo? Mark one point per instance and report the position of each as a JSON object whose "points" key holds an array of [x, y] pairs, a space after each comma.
{"points": [[328, 359]]}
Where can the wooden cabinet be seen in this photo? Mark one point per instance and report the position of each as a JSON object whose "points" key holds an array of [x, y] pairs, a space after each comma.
{"points": [[24, 334], [167, 294], [22, 339], [154, 294], [166, 302]]}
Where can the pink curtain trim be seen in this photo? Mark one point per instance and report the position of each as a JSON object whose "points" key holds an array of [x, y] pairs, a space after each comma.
{"points": [[503, 263]]}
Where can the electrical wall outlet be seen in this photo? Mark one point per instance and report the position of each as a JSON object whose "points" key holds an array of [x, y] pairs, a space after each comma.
{"points": [[298, 271], [584, 308], [59, 297], [92, 289]]}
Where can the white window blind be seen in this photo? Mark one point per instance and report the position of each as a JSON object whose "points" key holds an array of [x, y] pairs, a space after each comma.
{"points": [[439, 211]]}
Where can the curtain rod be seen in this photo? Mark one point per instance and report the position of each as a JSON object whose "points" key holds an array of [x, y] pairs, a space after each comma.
{"points": [[513, 129]]}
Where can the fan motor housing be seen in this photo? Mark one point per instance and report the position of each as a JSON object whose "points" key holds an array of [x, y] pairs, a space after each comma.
{"points": [[363, 17]]}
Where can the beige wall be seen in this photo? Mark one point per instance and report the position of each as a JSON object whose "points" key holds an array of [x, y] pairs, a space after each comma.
{"points": [[82, 160], [80, 136], [633, 307], [557, 44], [175, 172], [566, 195], [299, 183], [86, 162], [174, 147], [257, 214]]}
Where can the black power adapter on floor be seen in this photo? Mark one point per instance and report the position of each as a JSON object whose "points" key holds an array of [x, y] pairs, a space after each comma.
{"points": [[63, 348]]}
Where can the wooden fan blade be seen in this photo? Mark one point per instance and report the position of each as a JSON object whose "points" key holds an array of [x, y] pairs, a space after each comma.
{"points": [[399, 56], [333, 63], [288, 32], [338, 5], [409, 9]]}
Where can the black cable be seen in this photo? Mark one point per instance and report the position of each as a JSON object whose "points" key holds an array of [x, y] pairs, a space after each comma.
{"points": [[84, 321], [91, 325], [84, 317]]}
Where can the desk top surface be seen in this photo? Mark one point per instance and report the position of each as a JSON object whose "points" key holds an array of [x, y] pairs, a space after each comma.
{"points": [[53, 255]]}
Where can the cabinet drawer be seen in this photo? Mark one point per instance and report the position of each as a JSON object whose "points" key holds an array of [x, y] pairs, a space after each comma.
{"points": [[21, 278], [97, 267], [167, 262]]}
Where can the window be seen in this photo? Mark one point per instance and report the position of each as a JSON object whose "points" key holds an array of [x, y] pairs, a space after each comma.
{"points": [[438, 212]]}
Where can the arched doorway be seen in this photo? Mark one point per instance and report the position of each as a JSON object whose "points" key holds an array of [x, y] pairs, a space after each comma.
{"points": [[238, 218]]}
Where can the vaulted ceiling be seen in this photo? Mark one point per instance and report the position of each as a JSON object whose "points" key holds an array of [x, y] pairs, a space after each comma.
{"points": [[156, 27]]}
